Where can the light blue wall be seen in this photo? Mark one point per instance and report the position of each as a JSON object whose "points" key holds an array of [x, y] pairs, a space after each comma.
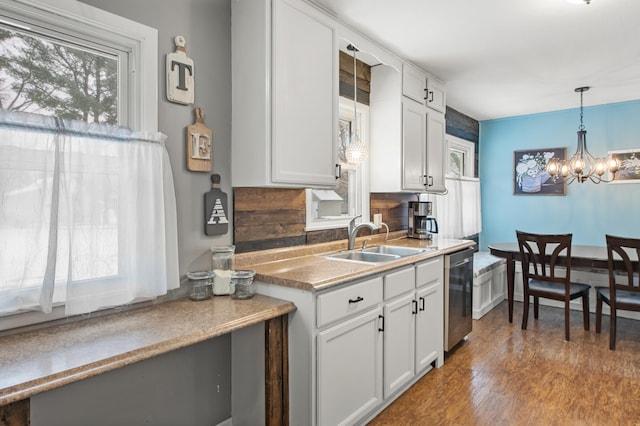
{"points": [[587, 210]]}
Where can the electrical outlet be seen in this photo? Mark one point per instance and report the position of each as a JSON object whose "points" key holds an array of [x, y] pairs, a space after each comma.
{"points": [[377, 219]]}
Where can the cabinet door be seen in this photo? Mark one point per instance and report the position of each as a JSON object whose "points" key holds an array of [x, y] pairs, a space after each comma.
{"points": [[414, 139], [399, 336], [349, 371], [436, 98], [414, 83], [429, 326], [304, 95], [435, 152]]}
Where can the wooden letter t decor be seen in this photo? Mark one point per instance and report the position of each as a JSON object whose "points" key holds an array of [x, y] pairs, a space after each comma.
{"points": [[180, 75]]}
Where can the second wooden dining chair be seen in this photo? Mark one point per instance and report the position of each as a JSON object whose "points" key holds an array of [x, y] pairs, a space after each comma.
{"points": [[624, 292], [542, 256]]}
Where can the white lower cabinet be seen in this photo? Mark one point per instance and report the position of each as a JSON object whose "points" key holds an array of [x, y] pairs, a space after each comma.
{"points": [[413, 323], [350, 369], [399, 343], [354, 348]]}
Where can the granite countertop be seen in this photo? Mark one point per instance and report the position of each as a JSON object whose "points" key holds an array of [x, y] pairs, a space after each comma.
{"points": [[47, 358], [305, 268]]}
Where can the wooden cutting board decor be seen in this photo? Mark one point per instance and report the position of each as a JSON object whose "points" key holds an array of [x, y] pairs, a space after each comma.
{"points": [[181, 80], [215, 209], [199, 145]]}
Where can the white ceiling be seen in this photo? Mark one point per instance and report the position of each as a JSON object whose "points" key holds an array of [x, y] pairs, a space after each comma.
{"points": [[502, 58]]}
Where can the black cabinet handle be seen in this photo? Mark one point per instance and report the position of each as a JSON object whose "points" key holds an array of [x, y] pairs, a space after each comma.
{"points": [[356, 300], [382, 320], [338, 171], [422, 303], [430, 181], [431, 96], [426, 94], [415, 306]]}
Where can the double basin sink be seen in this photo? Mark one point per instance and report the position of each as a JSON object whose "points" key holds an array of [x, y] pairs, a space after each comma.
{"points": [[377, 254]]}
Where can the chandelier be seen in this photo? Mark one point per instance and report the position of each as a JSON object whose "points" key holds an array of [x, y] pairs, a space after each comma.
{"points": [[582, 166], [356, 151]]}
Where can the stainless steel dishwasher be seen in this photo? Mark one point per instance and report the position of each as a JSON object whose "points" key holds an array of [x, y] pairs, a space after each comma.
{"points": [[458, 290]]}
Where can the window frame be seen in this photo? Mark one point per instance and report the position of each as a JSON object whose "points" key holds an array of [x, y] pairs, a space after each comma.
{"points": [[72, 20], [345, 109], [467, 148]]}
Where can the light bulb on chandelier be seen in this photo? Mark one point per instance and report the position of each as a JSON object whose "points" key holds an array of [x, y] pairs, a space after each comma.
{"points": [[582, 166], [356, 152]]}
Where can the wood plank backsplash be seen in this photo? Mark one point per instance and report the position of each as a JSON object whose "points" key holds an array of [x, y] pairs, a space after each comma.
{"points": [[267, 218]]}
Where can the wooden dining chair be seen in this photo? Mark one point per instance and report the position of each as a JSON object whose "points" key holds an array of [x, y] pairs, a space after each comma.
{"points": [[542, 255], [623, 293]]}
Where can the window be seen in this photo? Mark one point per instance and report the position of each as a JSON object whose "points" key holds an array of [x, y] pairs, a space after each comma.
{"points": [[77, 62], [460, 157], [76, 198], [335, 207]]}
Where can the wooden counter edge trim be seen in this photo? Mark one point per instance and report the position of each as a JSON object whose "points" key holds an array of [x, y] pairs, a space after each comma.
{"points": [[28, 389]]}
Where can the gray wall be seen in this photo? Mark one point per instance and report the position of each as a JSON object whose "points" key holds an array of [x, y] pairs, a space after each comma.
{"points": [[190, 386]]}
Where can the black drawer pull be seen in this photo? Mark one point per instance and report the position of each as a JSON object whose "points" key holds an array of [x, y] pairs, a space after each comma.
{"points": [[356, 300], [422, 303], [415, 307], [381, 318]]}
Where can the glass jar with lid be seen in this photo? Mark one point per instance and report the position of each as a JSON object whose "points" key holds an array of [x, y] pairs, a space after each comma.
{"points": [[221, 266], [242, 285], [199, 287]]}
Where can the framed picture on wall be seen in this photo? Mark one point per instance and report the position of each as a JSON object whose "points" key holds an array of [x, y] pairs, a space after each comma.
{"points": [[530, 176], [629, 171]]}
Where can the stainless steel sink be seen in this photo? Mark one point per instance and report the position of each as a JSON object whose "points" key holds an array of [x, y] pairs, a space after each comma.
{"points": [[377, 254], [364, 256], [395, 250]]}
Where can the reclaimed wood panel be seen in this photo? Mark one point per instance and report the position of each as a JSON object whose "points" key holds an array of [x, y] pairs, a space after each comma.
{"points": [[346, 65], [276, 371], [326, 235], [246, 246], [16, 414], [260, 231], [268, 217], [462, 126], [254, 199]]}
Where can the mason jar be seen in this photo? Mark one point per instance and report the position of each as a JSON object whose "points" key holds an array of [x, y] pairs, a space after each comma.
{"points": [[199, 287], [221, 265], [242, 285]]}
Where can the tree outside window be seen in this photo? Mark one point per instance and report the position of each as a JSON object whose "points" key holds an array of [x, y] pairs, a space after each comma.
{"points": [[49, 77]]}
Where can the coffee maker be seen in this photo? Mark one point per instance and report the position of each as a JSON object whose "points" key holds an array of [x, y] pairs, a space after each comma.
{"points": [[421, 223]]}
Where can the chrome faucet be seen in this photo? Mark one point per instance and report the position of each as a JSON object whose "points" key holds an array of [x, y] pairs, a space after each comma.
{"points": [[353, 230]]}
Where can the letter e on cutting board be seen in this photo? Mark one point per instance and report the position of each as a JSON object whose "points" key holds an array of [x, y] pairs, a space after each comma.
{"points": [[199, 145], [216, 220]]}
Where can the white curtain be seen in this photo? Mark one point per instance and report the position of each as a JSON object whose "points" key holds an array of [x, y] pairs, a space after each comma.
{"points": [[87, 215], [459, 211]]}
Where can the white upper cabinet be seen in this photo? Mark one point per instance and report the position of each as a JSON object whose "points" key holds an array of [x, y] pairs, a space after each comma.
{"points": [[423, 88], [285, 91]]}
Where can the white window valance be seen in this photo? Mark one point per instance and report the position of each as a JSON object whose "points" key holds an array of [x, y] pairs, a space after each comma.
{"points": [[87, 215]]}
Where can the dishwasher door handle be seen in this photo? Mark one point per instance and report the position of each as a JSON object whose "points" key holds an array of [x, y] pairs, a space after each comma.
{"points": [[460, 263]]}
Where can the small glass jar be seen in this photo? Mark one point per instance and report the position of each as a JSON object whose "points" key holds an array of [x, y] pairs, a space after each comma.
{"points": [[221, 266], [199, 285], [242, 285]]}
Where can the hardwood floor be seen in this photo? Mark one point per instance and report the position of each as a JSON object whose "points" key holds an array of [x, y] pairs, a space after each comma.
{"points": [[507, 376]]}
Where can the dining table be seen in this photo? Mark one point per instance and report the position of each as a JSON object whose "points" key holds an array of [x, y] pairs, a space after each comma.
{"points": [[583, 257]]}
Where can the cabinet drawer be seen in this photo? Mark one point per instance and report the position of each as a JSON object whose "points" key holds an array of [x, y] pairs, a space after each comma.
{"points": [[399, 282], [429, 271], [355, 298]]}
